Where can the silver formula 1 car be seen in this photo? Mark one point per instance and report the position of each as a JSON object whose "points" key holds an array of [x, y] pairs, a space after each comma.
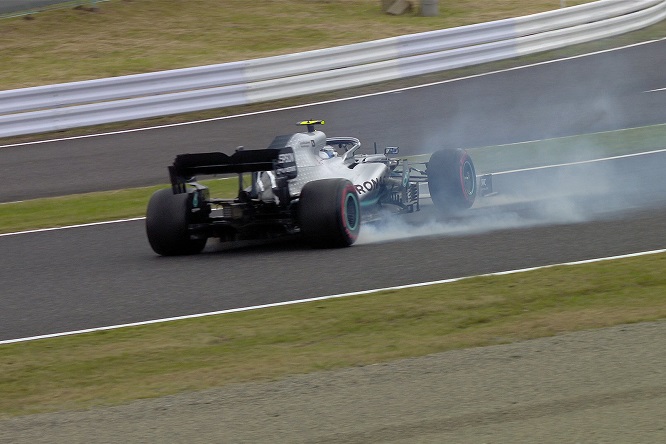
{"points": [[303, 184]]}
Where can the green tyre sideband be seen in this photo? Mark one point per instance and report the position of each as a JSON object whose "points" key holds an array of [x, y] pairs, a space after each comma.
{"points": [[329, 213]]}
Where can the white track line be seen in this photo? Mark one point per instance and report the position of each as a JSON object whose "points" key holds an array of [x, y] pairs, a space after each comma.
{"points": [[321, 298], [41, 230], [582, 162]]}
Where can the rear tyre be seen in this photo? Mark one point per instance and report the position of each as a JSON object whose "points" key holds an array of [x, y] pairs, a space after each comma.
{"points": [[166, 225], [329, 213], [452, 180]]}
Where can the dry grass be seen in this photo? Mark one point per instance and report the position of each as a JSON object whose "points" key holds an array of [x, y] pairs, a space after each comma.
{"points": [[128, 37]]}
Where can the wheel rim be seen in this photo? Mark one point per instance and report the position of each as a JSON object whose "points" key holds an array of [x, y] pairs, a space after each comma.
{"points": [[351, 210], [468, 178]]}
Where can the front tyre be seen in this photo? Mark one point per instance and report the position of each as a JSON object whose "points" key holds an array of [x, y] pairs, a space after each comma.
{"points": [[167, 222], [452, 180], [329, 213]]}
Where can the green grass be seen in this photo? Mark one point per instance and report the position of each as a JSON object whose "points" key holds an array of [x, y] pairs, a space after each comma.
{"points": [[117, 366], [569, 149], [90, 207]]}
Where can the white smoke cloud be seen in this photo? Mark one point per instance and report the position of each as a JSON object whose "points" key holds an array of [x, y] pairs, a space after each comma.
{"points": [[573, 193]]}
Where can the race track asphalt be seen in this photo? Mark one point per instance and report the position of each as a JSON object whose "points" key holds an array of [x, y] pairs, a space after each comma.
{"points": [[25, 5], [107, 275], [88, 277]]}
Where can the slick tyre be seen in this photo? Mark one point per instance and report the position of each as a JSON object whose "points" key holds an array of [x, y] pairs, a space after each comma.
{"points": [[166, 225], [329, 213], [452, 180]]}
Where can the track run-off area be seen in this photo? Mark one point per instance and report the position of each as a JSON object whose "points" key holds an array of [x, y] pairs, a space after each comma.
{"points": [[85, 278]]}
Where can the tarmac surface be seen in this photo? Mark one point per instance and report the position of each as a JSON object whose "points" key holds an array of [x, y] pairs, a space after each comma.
{"points": [[7, 6]]}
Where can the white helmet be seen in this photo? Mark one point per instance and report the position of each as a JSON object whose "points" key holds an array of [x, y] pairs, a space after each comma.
{"points": [[327, 152]]}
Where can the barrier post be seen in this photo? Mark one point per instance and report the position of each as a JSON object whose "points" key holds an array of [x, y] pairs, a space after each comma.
{"points": [[429, 8]]}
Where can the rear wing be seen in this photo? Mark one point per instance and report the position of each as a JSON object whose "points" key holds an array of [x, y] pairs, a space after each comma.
{"points": [[281, 161]]}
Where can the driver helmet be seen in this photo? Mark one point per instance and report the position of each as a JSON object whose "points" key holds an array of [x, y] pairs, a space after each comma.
{"points": [[327, 152]]}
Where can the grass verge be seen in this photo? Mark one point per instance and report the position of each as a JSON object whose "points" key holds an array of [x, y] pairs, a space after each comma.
{"points": [[578, 148], [118, 366], [89, 207]]}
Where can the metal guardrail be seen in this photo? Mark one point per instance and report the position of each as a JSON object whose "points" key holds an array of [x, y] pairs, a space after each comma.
{"points": [[34, 9], [56, 107]]}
